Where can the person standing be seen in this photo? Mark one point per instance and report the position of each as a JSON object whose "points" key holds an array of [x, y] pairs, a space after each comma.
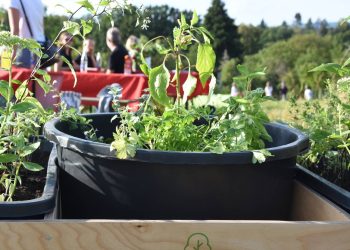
{"points": [[268, 89], [117, 58], [308, 94], [283, 91], [234, 90], [34, 10]]}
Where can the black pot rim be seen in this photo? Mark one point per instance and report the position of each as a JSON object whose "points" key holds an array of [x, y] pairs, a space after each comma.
{"points": [[38, 206], [97, 149], [331, 191]]}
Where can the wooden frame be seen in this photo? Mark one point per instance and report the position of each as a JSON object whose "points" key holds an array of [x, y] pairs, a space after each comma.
{"points": [[327, 227]]}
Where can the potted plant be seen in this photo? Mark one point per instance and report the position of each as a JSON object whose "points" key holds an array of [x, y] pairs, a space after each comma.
{"points": [[327, 123], [22, 148], [169, 162]]}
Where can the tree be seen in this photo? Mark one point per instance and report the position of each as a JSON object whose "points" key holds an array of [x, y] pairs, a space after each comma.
{"points": [[223, 29], [298, 19], [262, 24], [309, 25], [323, 27], [250, 38]]}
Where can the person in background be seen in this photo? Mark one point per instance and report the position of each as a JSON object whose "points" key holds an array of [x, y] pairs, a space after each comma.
{"points": [[268, 89], [132, 45], [34, 10], [234, 90], [65, 41], [89, 46], [116, 59], [308, 94], [283, 91]]}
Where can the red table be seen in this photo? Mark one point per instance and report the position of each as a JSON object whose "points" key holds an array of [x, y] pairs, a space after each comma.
{"points": [[90, 83]]}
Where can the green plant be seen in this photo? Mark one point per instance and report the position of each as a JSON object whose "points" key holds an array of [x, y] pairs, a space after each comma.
{"points": [[20, 119], [166, 125], [327, 121], [21, 115]]}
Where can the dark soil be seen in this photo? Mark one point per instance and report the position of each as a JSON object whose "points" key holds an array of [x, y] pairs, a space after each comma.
{"points": [[32, 185], [32, 182]]}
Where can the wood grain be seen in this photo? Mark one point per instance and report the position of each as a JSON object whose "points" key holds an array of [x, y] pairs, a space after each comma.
{"points": [[334, 233], [174, 235]]}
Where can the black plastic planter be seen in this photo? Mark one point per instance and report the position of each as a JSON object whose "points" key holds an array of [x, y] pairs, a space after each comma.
{"points": [[336, 194], [172, 185], [39, 207]]}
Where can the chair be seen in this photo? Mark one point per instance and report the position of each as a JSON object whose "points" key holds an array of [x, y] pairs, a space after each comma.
{"points": [[71, 99], [107, 95]]}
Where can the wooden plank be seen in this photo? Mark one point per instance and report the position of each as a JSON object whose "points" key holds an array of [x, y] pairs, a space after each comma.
{"points": [[310, 206], [174, 235]]}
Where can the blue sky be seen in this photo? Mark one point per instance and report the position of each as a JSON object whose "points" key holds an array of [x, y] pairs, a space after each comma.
{"points": [[251, 11]]}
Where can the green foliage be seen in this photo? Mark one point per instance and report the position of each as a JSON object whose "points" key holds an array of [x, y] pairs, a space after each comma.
{"points": [[21, 115], [328, 123], [288, 60], [183, 37], [240, 126]]}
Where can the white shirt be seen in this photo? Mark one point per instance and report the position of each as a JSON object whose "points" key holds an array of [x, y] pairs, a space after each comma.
{"points": [[308, 94], [35, 14], [234, 91], [268, 90]]}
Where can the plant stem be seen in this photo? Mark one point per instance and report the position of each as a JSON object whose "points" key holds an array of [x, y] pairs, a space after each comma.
{"points": [[178, 93], [14, 182]]}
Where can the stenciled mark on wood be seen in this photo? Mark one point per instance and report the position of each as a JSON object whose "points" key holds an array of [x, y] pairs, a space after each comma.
{"points": [[198, 241]]}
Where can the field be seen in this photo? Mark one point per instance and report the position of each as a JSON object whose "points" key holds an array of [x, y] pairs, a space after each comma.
{"points": [[276, 110]]}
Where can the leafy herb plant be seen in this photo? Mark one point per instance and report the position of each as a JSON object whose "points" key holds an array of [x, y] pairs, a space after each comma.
{"points": [[327, 122], [163, 124]]}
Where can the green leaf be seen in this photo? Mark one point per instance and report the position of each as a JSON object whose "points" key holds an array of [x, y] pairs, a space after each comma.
{"points": [[71, 69], [71, 27], [347, 62], [35, 102], [183, 20], [260, 155], [205, 62], [22, 107], [46, 87], [219, 148], [7, 158], [206, 32], [27, 150], [189, 86], [328, 67], [4, 87], [21, 92], [145, 69], [87, 5], [31, 166], [87, 26], [159, 79], [195, 18]]}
